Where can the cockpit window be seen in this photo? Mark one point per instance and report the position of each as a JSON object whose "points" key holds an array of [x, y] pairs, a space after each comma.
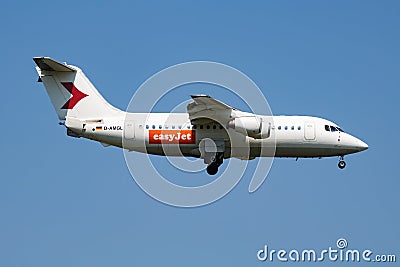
{"points": [[331, 128]]}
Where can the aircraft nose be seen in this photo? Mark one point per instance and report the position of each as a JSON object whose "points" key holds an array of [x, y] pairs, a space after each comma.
{"points": [[362, 145], [356, 144], [359, 145]]}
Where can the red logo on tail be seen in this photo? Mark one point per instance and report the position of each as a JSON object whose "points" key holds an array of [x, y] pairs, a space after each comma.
{"points": [[76, 95]]}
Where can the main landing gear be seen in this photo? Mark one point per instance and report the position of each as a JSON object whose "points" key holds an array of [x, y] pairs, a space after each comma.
{"points": [[212, 169], [341, 163]]}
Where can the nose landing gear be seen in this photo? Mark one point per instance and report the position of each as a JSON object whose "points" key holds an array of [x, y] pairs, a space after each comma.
{"points": [[341, 163]]}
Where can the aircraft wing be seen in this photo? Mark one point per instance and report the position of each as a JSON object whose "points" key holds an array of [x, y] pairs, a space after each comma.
{"points": [[205, 109]]}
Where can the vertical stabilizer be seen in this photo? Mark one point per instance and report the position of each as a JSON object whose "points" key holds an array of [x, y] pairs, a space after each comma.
{"points": [[71, 92]]}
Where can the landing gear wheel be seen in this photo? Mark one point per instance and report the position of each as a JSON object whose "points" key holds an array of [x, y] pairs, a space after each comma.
{"points": [[212, 169], [341, 164]]}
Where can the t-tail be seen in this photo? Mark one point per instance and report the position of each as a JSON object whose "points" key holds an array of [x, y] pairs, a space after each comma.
{"points": [[73, 96]]}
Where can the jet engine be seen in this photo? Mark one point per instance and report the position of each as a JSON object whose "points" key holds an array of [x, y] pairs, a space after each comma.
{"points": [[251, 126]]}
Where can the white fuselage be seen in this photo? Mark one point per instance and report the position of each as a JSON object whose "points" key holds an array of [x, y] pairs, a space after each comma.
{"points": [[210, 129], [154, 133]]}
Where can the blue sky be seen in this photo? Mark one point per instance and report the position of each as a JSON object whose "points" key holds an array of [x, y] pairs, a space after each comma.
{"points": [[71, 202]]}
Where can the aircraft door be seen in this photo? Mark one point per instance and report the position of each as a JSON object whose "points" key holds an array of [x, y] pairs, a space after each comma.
{"points": [[129, 130], [309, 131]]}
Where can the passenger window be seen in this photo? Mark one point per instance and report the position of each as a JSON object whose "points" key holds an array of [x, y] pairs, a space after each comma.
{"points": [[188, 126], [221, 127], [173, 126], [153, 126], [194, 127], [299, 128], [160, 127], [333, 129], [285, 127], [214, 127], [166, 126], [292, 127], [327, 128], [201, 126], [279, 127], [208, 127], [147, 126]]}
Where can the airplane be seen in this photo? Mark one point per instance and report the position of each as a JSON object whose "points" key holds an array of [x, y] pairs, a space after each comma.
{"points": [[210, 129]]}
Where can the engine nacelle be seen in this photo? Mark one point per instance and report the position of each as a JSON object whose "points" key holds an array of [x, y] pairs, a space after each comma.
{"points": [[250, 126]]}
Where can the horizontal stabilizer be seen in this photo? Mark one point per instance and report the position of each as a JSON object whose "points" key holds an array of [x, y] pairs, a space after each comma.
{"points": [[48, 64]]}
